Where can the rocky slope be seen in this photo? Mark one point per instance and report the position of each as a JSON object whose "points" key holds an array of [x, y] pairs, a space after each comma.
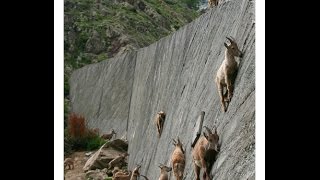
{"points": [[175, 75]]}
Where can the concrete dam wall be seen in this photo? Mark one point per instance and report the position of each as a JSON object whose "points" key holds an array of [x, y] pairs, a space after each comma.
{"points": [[176, 75]]}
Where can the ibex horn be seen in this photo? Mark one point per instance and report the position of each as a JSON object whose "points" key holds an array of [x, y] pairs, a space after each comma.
{"points": [[209, 131], [215, 130], [229, 38]]}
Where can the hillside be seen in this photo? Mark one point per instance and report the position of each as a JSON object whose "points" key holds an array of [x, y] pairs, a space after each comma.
{"points": [[175, 75]]}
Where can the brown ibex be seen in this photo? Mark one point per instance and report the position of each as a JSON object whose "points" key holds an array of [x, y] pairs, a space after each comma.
{"points": [[164, 170], [211, 2], [178, 160], [159, 121], [108, 136], [122, 176], [69, 162], [135, 173], [204, 153], [227, 72]]}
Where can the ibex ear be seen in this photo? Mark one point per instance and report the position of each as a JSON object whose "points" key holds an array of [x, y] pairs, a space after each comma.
{"points": [[225, 45], [214, 130], [205, 135], [174, 142]]}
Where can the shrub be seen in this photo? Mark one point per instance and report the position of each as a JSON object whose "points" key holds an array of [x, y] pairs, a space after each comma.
{"points": [[76, 126], [94, 143], [78, 137]]}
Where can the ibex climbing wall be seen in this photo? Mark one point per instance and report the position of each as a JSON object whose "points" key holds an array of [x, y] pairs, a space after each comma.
{"points": [[176, 75]]}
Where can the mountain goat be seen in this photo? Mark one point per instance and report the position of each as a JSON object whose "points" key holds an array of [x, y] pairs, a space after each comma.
{"points": [[204, 153], [159, 121], [108, 136], [211, 2], [227, 72], [178, 160], [164, 170]]}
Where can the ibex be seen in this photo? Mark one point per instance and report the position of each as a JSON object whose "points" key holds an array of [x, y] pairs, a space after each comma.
{"points": [[122, 176], [178, 160], [135, 173], [204, 153], [108, 136], [211, 2], [115, 170], [227, 72], [159, 121], [118, 161], [68, 162], [164, 170]]}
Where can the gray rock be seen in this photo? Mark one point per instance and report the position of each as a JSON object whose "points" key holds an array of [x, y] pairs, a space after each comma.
{"points": [[89, 153], [176, 75], [101, 158], [118, 144]]}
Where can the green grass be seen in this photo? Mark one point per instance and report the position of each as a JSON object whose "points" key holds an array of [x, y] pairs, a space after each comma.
{"points": [[86, 143]]}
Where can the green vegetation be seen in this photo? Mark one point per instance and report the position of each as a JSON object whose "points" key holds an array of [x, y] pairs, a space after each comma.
{"points": [[193, 4]]}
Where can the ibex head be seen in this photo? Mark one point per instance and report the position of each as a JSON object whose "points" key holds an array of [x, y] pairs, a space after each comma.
{"points": [[233, 47], [161, 114], [163, 167], [178, 144], [213, 138]]}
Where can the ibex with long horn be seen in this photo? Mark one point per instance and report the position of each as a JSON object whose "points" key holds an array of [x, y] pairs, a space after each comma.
{"points": [[204, 153], [227, 72]]}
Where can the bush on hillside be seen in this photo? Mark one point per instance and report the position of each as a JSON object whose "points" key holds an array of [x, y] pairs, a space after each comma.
{"points": [[79, 137]]}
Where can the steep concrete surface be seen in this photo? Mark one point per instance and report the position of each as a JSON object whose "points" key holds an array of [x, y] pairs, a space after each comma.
{"points": [[101, 93], [176, 75]]}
